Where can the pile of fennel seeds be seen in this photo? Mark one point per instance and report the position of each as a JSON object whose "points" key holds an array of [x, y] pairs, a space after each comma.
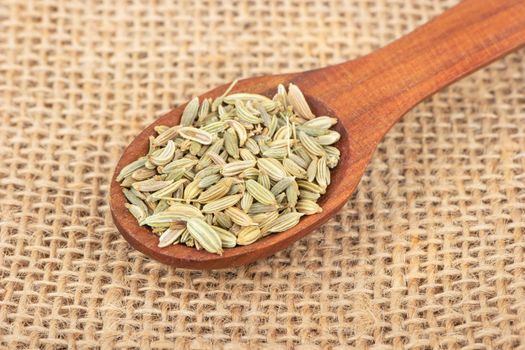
{"points": [[236, 169]]}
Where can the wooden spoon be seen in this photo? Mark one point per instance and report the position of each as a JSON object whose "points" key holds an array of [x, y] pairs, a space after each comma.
{"points": [[368, 95]]}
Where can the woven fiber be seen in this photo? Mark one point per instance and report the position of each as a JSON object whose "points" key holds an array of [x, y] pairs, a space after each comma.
{"points": [[429, 253]]}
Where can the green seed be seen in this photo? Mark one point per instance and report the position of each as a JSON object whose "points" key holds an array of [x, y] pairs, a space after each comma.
{"points": [[130, 168], [221, 204], [205, 235], [190, 112], [248, 235], [260, 193], [239, 217]]}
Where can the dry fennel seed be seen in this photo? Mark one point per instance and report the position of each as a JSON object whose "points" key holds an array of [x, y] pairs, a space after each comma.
{"points": [[236, 169]]}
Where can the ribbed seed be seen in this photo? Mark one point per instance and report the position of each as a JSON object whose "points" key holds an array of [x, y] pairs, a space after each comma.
{"points": [[303, 194], [283, 222], [204, 110], [190, 175], [301, 152], [298, 160], [197, 135], [170, 237], [166, 135], [215, 147], [235, 168], [292, 194], [205, 235], [246, 201], [221, 204], [311, 172], [138, 212], [231, 143], [231, 99], [311, 145], [240, 130], [208, 218], [228, 239], [237, 188], [250, 173], [222, 220], [321, 122], [150, 185], [265, 117], [258, 208], [161, 206], [310, 186], [168, 190], [252, 146], [239, 217], [163, 219], [185, 237], [264, 180], [130, 168], [277, 153], [248, 235], [323, 173], [332, 151], [216, 191], [214, 169], [139, 194], [244, 114], [269, 218], [215, 127], [328, 139], [184, 163], [159, 129], [127, 182], [311, 131], [190, 112], [192, 190], [273, 126], [281, 96], [280, 199], [186, 210], [297, 100], [282, 185], [143, 174], [209, 180], [175, 175], [308, 207], [217, 159], [293, 169], [272, 167], [260, 193], [133, 199], [246, 154]]}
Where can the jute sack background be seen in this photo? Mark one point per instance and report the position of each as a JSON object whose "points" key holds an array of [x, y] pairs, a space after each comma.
{"points": [[428, 254]]}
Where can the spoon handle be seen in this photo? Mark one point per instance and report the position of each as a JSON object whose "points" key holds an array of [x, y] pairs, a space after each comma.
{"points": [[392, 80]]}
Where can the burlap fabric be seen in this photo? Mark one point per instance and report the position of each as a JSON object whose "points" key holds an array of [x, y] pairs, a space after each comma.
{"points": [[428, 254]]}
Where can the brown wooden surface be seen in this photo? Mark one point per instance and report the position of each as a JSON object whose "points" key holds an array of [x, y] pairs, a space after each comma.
{"points": [[368, 95]]}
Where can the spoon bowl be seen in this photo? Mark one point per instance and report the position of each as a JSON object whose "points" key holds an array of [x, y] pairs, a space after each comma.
{"points": [[367, 95], [142, 238]]}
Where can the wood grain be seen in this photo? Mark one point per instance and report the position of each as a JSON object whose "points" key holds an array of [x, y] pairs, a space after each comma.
{"points": [[368, 95]]}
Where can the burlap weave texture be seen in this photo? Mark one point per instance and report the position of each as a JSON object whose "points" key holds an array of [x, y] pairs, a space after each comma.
{"points": [[429, 253]]}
